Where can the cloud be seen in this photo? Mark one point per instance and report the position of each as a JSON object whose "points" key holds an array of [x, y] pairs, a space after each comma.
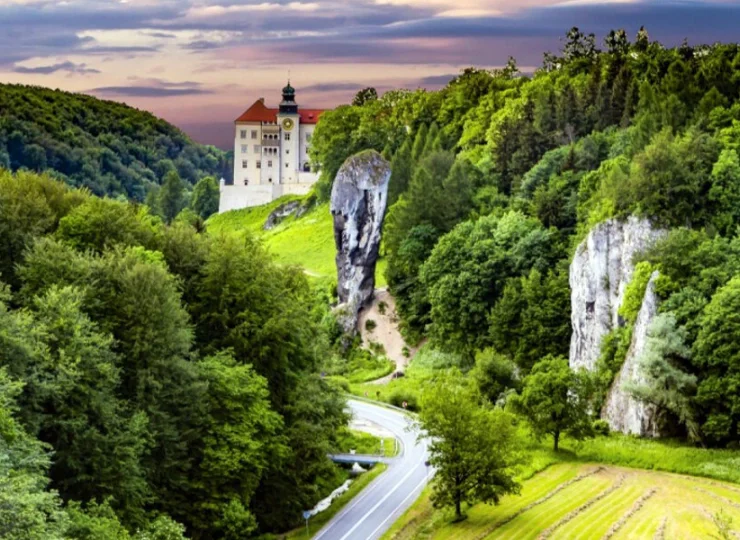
{"points": [[160, 35], [436, 80], [334, 87], [70, 67], [147, 91], [153, 88]]}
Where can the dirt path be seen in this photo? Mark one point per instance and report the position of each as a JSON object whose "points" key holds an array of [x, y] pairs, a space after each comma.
{"points": [[383, 313]]}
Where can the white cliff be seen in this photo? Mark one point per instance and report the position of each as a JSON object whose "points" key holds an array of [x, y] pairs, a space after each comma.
{"points": [[358, 203], [623, 412], [599, 274]]}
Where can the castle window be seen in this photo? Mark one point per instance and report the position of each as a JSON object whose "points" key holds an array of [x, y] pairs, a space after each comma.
{"points": [[256, 148], [259, 164], [287, 151], [246, 181], [244, 164], [244, 149], [269, 163], [244, 134], [287, 136], [254, 133], [287, 165]]}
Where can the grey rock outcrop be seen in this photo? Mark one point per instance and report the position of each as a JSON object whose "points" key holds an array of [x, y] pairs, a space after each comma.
{"points": [[283, 211], [599, 274], [358, 204], [623, 412]]}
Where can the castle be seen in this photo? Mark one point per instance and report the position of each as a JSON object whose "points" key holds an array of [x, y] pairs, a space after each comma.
{"points": [[271, 153]]}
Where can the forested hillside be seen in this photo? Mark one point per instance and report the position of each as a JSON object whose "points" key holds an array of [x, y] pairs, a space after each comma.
{"points": [[159, 381], [497, 178], [105, 146]]}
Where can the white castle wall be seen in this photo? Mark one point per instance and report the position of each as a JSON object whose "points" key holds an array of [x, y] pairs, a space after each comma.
{"points": [[239, 196]]}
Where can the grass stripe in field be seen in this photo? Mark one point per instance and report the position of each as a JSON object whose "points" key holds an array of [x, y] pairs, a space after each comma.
{"points": [[531, 523], [597, 520]]}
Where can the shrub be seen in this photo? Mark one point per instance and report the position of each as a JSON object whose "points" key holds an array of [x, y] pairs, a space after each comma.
{"points": [[601, 427], [382, 306], [340, 383], [397, 398], [370, 325]]}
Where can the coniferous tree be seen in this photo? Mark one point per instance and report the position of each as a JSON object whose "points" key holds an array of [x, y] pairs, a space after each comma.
{"points": [[171, 196]]}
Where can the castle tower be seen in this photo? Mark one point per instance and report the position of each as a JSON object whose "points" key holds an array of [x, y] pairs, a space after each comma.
{"points": [[289, 121]]}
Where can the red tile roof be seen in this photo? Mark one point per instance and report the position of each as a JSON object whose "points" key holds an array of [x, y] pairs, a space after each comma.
{"points": [[261, 113], [310, 116]]}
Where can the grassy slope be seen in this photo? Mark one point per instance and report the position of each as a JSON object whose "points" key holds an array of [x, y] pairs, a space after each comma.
{"points": [[307, 241], [687, 505]]}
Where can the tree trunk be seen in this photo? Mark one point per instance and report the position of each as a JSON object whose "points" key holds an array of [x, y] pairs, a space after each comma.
{"points": [[556, 439], [458, 511]]}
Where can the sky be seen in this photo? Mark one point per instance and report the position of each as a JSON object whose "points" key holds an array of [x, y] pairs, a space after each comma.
{"points": [[200, 63]]}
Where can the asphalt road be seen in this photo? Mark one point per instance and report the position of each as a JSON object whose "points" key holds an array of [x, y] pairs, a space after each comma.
{"points": [[374, 510]]}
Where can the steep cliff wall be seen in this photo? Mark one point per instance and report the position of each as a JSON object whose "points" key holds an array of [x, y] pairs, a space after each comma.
{"points": [[623, 412], [599, 274]]}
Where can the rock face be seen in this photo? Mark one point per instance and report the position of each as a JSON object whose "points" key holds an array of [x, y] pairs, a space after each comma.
{"points": [[599, 274], [282, 212], [358, 204], [623, 412]]}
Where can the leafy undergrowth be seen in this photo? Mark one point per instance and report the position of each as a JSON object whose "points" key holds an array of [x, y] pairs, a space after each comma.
{"points": [[318, 521], [307, 241], [668, 456], [575, 500], [427, 365], [362, 366], [365, 443]]}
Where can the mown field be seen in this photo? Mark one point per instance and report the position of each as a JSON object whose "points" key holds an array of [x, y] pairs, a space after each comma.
{"points": [[307, 241], [584, 501]]}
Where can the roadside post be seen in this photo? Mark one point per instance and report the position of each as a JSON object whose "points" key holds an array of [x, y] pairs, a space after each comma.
{"points": [[306, 515]]}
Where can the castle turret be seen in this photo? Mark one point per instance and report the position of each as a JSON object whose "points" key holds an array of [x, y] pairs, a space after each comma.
{"points": [[288, 105]]}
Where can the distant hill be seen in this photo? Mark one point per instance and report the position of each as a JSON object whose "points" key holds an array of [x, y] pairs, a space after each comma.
{"points": [[108, 147]]}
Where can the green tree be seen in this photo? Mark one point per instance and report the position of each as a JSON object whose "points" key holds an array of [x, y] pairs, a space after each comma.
{"points": [[717, 353], [401, 169], [495, 374], [467, 271], [531, 319], [70, 402], [664, 381], [473, 449], [365, 96], [205, 197], [724, 195], [30, 205], [555, 400], [241, 437], [98, 224], [420, 142], [171, 196], [28, 510]]}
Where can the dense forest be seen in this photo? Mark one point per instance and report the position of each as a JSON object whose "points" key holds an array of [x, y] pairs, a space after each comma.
{"points": [[107, 147], [160, 381], [497, 178]]}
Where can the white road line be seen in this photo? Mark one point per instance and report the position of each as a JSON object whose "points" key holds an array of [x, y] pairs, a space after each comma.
{"points": [[364, 494], [413, 492], [381, 501]]}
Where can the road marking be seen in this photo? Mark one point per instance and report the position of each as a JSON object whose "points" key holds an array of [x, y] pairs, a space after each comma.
{"points": [[381, 501], [364, 494], [413, 492], [400, 422]]}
